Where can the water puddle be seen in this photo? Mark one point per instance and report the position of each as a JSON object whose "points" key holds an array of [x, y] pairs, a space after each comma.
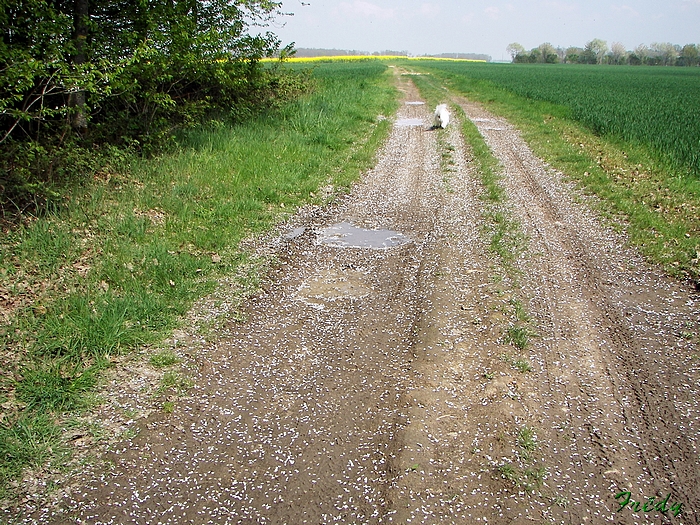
{"points": [[415, 103], [489, 120], [405, 122], [345, 235], [334, 285]]}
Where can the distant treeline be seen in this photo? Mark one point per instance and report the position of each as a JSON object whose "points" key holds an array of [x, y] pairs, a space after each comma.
{"points": [[597, 52], [303, 52]]}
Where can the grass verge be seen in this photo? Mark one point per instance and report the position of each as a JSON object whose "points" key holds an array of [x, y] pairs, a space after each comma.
{"points": [[119, 263]]}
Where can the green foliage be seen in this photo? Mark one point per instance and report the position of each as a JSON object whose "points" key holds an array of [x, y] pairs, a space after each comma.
{"points": [[164, 359], [518, 336], [32, 440], [527, 439], [55, 385], [124, 73]]}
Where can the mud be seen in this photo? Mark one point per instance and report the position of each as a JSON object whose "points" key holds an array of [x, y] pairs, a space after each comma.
{"points": [[376, 385]]}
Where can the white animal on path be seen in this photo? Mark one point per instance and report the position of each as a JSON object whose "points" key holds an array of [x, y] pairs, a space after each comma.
{"points": [[442, 116]]}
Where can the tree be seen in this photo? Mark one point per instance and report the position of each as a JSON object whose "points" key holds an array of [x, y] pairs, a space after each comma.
{"points": [[64, 57], [548, 54], [514, 50], [618, 54], [76, 99], [594, 51], [690, 55], [535, 56], [573, 54], [561, 54], [639, 56], [131, 70], [665, 53]]}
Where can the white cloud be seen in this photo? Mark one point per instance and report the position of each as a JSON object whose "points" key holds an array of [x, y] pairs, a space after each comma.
{"points": [[561, 7], [364, 9], [429, 10]]}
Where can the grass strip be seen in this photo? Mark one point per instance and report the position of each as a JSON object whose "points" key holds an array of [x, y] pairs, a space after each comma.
{"points": [[119, 263], [506, 239]]}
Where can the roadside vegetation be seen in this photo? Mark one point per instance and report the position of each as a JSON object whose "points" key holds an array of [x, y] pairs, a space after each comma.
{"points": [[627, 135], [85, 81], [114, 264]]}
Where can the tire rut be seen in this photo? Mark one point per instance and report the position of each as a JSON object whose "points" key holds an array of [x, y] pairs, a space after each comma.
{"points": [[295, 414]]}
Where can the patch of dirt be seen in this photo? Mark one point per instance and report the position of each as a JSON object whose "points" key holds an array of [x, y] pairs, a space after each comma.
{"points": [[375, 385]]}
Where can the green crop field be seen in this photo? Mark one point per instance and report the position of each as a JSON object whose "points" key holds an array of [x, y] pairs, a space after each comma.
{"points": [[654, 106]]}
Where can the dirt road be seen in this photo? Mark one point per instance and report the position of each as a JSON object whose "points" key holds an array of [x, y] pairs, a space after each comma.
{"points": [[372, 383]]}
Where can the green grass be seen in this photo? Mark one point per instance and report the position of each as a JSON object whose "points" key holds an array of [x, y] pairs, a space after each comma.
{"points": [[644, 188], [164, 359], [524, 475], [522, 365], [518, 336], [119, 263], [527, 439]]}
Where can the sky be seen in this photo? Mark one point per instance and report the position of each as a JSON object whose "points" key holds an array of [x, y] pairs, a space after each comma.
{"points": [[487, 27]]}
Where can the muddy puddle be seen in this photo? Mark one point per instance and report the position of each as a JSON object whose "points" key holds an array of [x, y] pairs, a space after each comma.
{"points": [[293, 234], [347, 235]]}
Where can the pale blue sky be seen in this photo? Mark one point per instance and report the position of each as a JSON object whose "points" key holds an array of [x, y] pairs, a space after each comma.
{"points": [[444, 26]]}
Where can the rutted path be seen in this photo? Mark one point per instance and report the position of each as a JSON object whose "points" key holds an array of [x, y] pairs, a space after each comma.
{"points": [[372, 385]]}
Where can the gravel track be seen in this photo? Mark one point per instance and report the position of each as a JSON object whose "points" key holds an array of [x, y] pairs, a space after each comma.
{"points": [[375, 386]]}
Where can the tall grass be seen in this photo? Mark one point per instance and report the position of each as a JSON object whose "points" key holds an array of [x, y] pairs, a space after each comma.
{"points": [[125, 256]]}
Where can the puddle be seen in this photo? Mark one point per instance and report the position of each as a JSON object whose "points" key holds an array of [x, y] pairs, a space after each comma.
{"points": [[334, 285], [345, 235], [410, 122], [415, 103]]}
